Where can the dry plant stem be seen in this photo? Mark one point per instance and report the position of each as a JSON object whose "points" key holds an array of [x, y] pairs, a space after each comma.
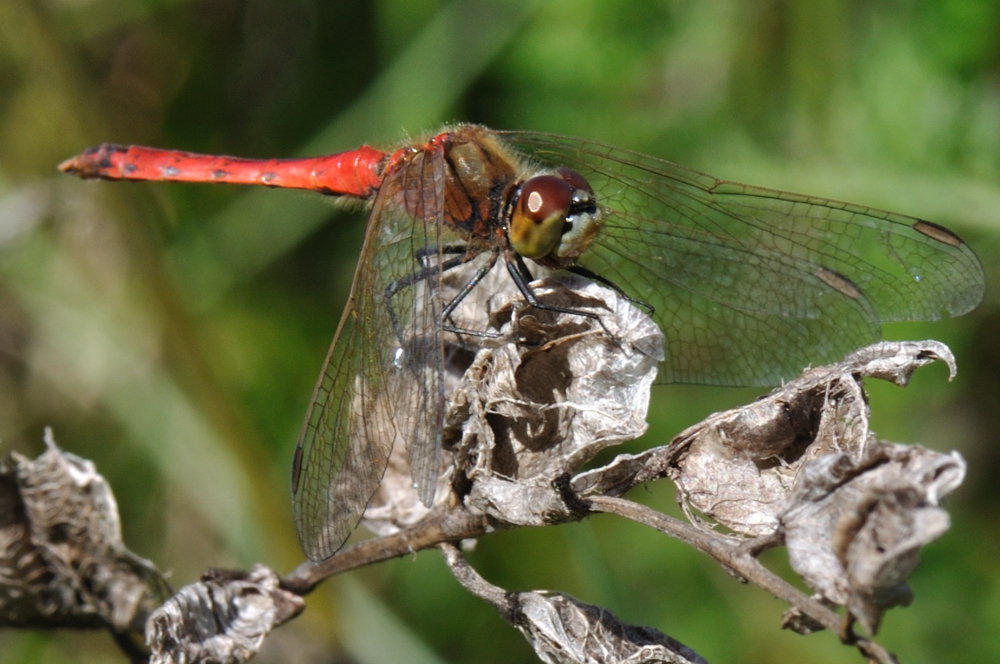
{"points": [[759, 545], [451, 526], [732, 556], [875, 653], [470, 579], [743, 562], [135, 653]]}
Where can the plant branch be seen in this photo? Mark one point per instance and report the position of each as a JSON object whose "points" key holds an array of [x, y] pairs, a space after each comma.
{"points": [[742, 561], [442, 526]]}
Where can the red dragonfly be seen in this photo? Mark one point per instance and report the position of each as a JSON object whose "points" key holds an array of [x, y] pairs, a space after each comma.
{"points": [[748, 284]]}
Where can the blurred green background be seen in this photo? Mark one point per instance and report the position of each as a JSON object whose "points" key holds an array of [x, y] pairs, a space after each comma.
{"points": [[173, 333]]}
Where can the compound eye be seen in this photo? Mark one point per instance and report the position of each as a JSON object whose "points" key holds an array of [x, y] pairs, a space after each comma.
{"points": [[544, 197], [539, 218], [576, 182]]}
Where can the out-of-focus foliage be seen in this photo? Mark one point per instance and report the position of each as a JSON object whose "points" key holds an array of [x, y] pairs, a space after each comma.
{"points": [[172, 333]]}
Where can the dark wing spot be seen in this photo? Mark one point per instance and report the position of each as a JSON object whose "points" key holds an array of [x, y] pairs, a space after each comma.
{"points": [[939, 233], [296, 468], [839, 283]]}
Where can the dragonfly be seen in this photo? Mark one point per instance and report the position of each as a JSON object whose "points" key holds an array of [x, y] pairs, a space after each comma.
{"points": [[749, 285]]}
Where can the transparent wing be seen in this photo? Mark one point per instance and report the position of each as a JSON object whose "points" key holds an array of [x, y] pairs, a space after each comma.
{"points": [[751, 285], [422, 363], [382, 380]]}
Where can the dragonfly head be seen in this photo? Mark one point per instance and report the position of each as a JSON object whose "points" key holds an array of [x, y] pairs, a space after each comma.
{"points": [[555, 217]]}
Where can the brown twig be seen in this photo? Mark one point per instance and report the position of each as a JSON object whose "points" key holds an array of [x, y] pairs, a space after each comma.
{"points": [[445, 526], [743, 562]]}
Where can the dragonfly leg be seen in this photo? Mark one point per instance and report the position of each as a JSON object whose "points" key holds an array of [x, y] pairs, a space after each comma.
{"points": [[593, 276], [518, 271], [461, 295], [423, 253], [429, 272], [409, 280]]}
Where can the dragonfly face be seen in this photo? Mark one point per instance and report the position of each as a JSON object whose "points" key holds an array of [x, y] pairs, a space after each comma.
{"points": [[490, 198], [555, 218]]}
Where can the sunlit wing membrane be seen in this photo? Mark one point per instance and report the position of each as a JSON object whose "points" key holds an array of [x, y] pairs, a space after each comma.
{"points": [[751, 285]]}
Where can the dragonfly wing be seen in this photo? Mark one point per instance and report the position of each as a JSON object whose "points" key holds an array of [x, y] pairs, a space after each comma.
{"points": [[382, 381], [750, 285], [422, 188]]}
